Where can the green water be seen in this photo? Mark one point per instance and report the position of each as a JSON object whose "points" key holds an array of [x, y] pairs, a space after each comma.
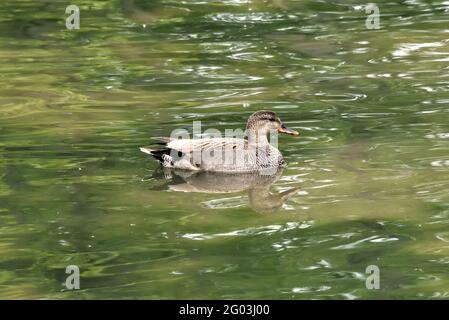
{"points": [[370, 169]]}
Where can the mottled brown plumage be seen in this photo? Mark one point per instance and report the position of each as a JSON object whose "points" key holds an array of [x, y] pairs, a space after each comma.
{"points": [[254, 153]]}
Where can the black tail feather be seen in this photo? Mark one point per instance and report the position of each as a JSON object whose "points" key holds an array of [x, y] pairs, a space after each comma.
{"points": [[156, 153]]}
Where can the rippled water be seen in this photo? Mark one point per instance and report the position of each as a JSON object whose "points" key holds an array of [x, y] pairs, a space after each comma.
{"points": [[370, 170]]}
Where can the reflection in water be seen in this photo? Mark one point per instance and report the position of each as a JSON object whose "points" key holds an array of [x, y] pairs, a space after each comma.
{"points": [[258, 186]]}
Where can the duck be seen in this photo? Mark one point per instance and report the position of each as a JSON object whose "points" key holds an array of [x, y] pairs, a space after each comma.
{"points": [[252, 153]]}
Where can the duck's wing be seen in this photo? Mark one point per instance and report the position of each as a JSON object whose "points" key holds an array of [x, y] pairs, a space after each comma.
{"points": [[188, 146], [183, 153]]}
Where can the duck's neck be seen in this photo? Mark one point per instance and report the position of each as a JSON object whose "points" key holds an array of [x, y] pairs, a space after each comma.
{"points": [[257, 136]]}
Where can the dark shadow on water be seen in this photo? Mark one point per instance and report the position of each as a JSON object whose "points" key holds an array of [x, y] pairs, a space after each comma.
{"points": [[257, 186]]}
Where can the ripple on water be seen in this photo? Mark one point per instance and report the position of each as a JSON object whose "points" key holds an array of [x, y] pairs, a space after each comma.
{"points": [[408, 49], [361, 242], [248, 18], [310, 289], [270, 229], [443, 135], [21, 107]]}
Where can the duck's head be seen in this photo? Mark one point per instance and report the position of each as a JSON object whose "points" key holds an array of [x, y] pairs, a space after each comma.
{"points": [[264, 121]]}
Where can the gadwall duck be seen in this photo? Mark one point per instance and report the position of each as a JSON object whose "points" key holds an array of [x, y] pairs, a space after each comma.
{"points": [[235, 155]]}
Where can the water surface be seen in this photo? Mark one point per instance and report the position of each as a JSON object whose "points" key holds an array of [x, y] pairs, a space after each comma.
{"points": [[370, 169]]}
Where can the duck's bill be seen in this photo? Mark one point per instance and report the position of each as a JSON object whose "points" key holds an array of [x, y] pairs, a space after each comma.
{"points": [[289, 131]]}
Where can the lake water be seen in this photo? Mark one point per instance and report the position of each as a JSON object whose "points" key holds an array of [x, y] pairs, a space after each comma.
{"points": [[368, 176]]}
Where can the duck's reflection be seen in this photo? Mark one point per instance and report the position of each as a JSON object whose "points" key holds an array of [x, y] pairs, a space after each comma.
{"points": [[260, 198]]}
